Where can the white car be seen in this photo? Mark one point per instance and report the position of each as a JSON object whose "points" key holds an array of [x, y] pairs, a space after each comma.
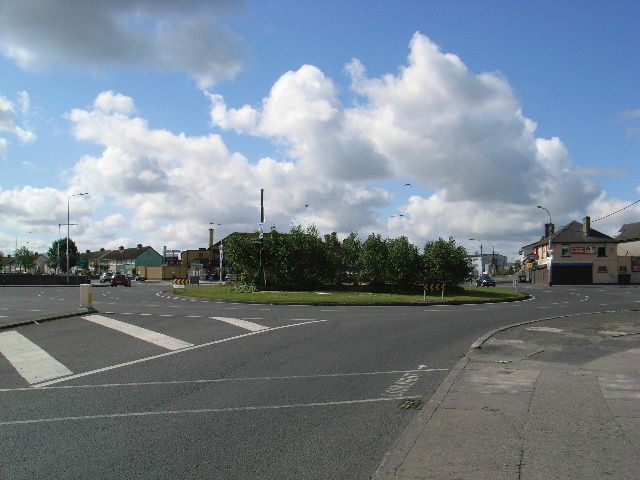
{"points": [[106, 277]]}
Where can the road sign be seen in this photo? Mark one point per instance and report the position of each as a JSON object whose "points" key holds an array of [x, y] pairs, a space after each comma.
{"points": [[181, 281], [435, 287]]}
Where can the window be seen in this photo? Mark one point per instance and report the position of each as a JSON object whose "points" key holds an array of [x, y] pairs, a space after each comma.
{"points": [[602, 251], [623, 269], [602, 269], [566, 250]]}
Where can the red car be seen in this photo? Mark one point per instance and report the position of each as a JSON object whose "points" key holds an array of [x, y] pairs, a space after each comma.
{"points": [[120, 279]]}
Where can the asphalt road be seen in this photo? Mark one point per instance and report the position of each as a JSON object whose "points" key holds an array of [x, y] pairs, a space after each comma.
{"points": [[156, 387]]}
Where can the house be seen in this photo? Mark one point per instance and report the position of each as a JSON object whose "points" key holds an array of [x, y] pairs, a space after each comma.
{"points": [[92, 259], [126, 260], [579, 255], [629, 253]]}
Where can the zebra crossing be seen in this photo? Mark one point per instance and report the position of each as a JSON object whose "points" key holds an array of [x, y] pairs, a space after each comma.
{"points": [[36, 366]]}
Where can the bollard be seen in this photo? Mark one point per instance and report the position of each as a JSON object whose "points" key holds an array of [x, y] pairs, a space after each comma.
{"points": [[86, 296]]}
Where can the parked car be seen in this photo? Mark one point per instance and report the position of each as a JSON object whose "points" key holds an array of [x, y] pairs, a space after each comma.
{"points": [[139, 278], [485, 280], [120, 279], [105, 277], [230, 277]]}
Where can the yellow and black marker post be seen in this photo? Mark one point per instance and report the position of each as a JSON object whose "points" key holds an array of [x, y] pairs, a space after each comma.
{"points": [[434, 287]]}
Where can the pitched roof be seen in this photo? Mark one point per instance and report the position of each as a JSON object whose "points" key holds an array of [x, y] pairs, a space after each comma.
{"points": [[125, 254], [629, 232], [574, 233], [93, 255]]}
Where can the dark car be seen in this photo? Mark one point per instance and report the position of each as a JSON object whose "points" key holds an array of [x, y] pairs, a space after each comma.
{"points": [[485, 281], [120, 279]]}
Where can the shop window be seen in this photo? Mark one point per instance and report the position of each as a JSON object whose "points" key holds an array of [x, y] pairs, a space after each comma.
{"points": [[602, 251], [566, 250], [602, 269]]}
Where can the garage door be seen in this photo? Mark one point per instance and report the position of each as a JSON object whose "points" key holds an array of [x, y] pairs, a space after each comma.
{"points": [[572, 274]]}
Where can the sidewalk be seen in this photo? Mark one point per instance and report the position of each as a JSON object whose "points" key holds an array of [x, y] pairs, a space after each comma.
{"points": [[553, 399]]}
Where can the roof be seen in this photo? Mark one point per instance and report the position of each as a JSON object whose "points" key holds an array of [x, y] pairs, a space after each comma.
{"points": [[629, 232], [125, 254], [574, 233], [93, 255]]}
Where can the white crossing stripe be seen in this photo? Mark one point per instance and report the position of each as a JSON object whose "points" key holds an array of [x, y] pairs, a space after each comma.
{"points": [[254, 327], [33, 363], [150, 336]]}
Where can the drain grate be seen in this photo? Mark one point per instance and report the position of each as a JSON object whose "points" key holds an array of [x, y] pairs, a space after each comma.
{"points": [[410, 403]]}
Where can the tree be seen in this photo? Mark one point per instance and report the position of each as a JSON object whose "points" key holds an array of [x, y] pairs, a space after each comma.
{"points": [[351, 251], [1, 261], [26, 258], [403, 263], [373, 260], [57, 250], [445, 262]]}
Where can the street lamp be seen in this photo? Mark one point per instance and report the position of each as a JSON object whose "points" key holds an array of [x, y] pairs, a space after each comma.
{"points": [[389, 223], [549, 251], [69, 198], [58, 244]]}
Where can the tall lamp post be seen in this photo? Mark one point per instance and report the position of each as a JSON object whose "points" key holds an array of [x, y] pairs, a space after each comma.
{"points": [[549, 250], [58, 253], [69, 198]]}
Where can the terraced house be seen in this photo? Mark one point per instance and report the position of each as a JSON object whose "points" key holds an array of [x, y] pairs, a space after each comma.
{"points": [[579, 255]]}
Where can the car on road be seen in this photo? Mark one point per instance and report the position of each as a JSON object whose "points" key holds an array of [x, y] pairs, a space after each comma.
{"points": [[105, 277], [485, 280], [120, 279]]}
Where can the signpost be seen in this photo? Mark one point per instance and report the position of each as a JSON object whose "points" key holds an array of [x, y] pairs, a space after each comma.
{"points": [[434, 287]]}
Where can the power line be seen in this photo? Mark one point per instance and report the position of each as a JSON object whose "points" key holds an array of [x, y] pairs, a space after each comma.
{"points": [[617, 211]]}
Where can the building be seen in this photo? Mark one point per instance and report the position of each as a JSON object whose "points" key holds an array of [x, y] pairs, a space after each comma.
{"points": [[488, 263], [629, 253], [127, 260], [579, 255]]}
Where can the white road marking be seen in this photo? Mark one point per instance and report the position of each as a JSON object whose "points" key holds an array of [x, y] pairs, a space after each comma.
{"points": [[150, 336], [219, 380], [253, 327], [204, 410], [32, 362], [166, 354], [545, 329]]}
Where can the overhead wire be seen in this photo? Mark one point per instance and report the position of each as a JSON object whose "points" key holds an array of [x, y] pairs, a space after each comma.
{"points": [[617, 211]]}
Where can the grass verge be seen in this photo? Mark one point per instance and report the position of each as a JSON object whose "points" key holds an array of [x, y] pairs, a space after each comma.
{"points": [[462, 295]]}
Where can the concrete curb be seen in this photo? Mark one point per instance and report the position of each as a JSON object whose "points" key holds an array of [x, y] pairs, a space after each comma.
{"points": [[29, 321], [394, 458], [528, 297]]}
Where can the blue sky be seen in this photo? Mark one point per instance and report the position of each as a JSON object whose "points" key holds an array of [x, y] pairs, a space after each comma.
{"points": [[172, 118]]}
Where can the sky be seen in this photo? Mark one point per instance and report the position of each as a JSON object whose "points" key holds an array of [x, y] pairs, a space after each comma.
{"points": [[420, 118]]}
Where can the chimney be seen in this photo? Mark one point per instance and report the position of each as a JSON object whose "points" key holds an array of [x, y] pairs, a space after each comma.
{"points": [[139, 245], [586, 226], [210, 237]]}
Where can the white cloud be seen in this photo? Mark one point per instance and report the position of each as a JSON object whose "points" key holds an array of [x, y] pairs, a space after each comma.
{"points": [[459, 134], [147, 34], [303, 113], [9, 122], [173, 185], [109, 102]]}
